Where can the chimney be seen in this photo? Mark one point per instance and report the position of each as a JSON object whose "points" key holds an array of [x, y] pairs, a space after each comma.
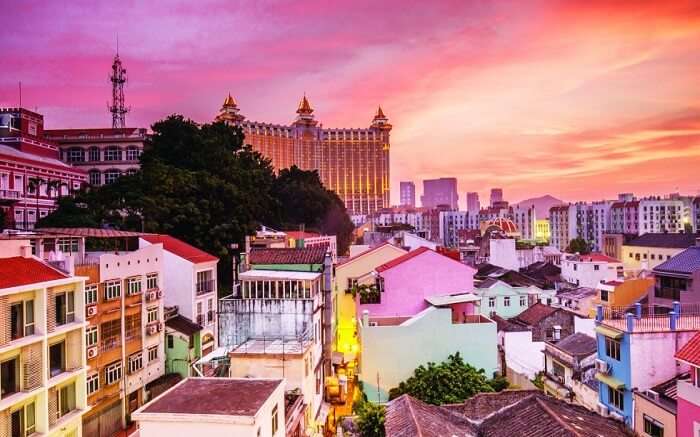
{"points": [[25, 251]]}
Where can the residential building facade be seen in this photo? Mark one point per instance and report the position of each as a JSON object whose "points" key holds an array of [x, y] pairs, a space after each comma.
{"points": [[590, 270], [473, 205], [442, 191], [569, 370], [352, 162], [651, 249], [496, 196], [678, 279], [407, 194]]}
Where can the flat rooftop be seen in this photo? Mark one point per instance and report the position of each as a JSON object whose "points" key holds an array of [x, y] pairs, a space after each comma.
{"points": [[278, 275], [272, 346], [214, 396]]}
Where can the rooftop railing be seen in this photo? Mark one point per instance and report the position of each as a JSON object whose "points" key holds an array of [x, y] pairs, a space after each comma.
{"points": [[650, 318]]}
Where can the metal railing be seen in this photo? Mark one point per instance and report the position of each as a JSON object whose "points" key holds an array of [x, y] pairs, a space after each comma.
{"points": [[9, 194]]}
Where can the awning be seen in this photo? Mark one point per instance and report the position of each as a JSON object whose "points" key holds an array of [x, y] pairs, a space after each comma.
{"points": [[609, 381], [608, 332]]}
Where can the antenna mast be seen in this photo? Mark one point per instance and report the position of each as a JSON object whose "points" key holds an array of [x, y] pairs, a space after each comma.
{"points": [[118, 79]]}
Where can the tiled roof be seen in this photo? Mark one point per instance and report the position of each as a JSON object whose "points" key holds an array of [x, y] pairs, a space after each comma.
{"points": [[690, 352], [535, 314], [593, 257], [180, 248], [18, 270], [403, 258], [367, 252], [31, 157], [506, 326], [91, 232], [685, 262], [215, 396], [577, 344], [578, 292], [182, 324], [306, 255], [409, 417], [522, 413], [667, 240], [300, 235]]}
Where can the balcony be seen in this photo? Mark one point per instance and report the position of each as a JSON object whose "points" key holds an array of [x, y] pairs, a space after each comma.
{"points": [[9, 195], [206, 286], [668, 293]]}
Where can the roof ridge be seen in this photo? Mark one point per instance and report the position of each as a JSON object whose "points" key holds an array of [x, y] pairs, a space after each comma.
{"points": [[413, 414], [555, 416]]}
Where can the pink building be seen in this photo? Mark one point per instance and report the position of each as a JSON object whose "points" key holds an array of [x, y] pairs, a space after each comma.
{"points": [[406, 283], [688, 416]]}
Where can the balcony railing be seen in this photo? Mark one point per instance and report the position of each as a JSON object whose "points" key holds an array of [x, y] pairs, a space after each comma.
{"points": [[9, 195], [110, 343], [206, 286]]}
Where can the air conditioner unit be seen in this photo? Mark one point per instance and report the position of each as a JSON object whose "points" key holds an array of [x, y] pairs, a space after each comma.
{"points": [[159, 294], [151, 295], [91, 310], [373, 323], [92, 352], [159, 326], [602, 410], [152, 329], [602, 366], [617, 416]]}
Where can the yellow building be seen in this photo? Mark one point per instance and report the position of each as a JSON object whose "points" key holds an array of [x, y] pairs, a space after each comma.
{"points": [[651, 249], [542, 230], [621, 293], [346, 275], [42, 353]]}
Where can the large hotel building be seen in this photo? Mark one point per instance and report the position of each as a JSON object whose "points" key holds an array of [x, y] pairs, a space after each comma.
{"points": [[352, 162]]}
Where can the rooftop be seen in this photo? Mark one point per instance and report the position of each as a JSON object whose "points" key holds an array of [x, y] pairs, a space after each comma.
{"points": [[306, 255], [690, 353], [522, 413], [402, 259], [535, 314], [576, 293], [686, 262], [17, 271], [666, 240], [91, 232], [31, 157], [180, 248], [214, 396], [577, 344], [451, 299], [182, 324], [255, 346], [592, 257], [278, 274]]}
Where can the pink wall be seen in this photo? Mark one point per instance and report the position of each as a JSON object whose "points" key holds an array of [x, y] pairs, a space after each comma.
{"points": [[408, 284], [688, 415]]}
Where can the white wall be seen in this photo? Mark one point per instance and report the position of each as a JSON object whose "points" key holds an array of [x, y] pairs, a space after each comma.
{"points": [[503, 253], [522, 354], [584, 274], [652, 357]]}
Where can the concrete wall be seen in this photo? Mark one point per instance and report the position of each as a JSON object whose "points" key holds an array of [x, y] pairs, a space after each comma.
{"points": [[688, 410], [644, 407], [652, 360], [661, 254], [500, 291], [585, 274], [503, 254], [390, 354], [407, 285], [523, 355]]}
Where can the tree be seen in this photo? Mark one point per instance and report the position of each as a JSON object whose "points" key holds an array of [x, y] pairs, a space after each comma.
{"points": [[370, 418], [451, 381], [303, 199], [34, 185], [579, 245]]}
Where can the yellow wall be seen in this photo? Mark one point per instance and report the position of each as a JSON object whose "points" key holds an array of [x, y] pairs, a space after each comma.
{"points": [[643, 407], [626, 293], [660, 254], [542, 230], [345, 311]]}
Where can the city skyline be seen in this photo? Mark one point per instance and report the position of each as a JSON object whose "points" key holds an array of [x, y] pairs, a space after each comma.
{"points": [[502, 96]]}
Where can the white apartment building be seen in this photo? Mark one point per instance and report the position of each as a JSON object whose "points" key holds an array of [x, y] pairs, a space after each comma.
{"points": [[525, 219], [590, 270], [190, 278], [661, 215]]}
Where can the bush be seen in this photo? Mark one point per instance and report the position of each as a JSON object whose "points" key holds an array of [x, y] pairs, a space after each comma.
{"points": [[370, 418]]}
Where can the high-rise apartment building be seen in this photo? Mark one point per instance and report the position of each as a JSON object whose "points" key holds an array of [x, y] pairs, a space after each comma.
{"points": [[496, 196], [408, 194], [352, 162], [441, 191], [32, 176], [473, 205]]}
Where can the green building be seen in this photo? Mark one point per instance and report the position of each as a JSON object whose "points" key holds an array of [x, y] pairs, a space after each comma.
{"points": [[183, 345]]}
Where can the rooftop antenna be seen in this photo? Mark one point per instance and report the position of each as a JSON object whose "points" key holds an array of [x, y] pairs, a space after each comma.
{"points": [[118, 79], [20, 93]]}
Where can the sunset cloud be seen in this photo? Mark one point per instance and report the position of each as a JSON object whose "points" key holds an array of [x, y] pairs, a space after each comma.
{"points": [[577, 99]]}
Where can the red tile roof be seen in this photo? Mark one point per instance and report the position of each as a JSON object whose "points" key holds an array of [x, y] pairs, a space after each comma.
{"points": [[180, 248], [306, 255], [535, 314], [300, 235], [367, 252], [19, 270], [403, 258], [595, 257], [91, 232], [690, 353]]}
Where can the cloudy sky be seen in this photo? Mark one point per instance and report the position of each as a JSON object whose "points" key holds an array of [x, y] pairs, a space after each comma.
{"points": [[580, 100]]}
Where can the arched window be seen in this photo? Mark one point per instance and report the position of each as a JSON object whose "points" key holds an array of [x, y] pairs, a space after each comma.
{"points": [[113, 153], [95, 177], [132, 153], [75, 154], [94, 154], [112, 175]]}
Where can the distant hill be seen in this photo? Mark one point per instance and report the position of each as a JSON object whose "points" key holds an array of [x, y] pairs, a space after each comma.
{"points": [[542, 204]]}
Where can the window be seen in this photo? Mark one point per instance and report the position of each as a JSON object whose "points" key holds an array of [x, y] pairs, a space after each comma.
{"points": [[275, 420], [523, 301], [506, 301], [132, 154], [616, 398], [133, 285], [57, 359], [492, 302], [596, 267], [66, 399], [318, 382], [135, 362], [65, 308], [113, 290], [152, 315], [112, 175], [75, 154], [9, 377], [69, 245], [113, 154], [113, 373], [132, 326], [91, 336], [93, 383], [210, 310], [21, 319], [652, 427], [90, 294], [152, 353], [23, 421], [604, 295], [612, 348], [152, 281], [94, 154], [95, 177], [111, 334], [171, 341]]}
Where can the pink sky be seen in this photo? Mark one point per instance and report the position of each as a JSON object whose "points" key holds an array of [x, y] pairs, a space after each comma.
{"points": [[580, 100]]}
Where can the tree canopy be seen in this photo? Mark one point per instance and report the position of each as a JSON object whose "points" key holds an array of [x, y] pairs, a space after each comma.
{"points": [[370, 418], [579, 245], [203, 185], [451, 381]]}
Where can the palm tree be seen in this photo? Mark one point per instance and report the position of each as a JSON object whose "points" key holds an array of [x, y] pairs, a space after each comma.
{"points": [[55, 185], [34, 184]]}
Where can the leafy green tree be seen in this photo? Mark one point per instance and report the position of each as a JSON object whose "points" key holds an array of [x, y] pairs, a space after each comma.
{"points": [[579, 245], [451, 381], [370, 418], [304, 200], [74, 214]]}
